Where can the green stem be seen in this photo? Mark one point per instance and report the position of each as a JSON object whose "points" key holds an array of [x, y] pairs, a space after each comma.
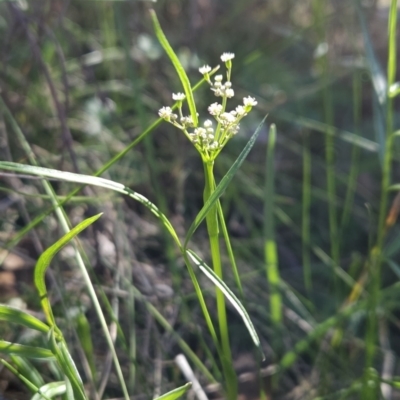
{"points": [[376, 254], [213, 234]]}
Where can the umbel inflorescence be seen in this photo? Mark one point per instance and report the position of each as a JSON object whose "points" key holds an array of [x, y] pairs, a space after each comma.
{"points": [[210, 138]]}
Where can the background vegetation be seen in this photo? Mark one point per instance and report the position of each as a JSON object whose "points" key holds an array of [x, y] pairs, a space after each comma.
{"points": [[83, 79]]}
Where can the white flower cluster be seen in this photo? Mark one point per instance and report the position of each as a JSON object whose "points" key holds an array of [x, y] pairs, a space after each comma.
{"points": [[207, 140]]}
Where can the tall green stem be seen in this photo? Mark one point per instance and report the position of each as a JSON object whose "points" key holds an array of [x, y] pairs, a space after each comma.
{"points": [[213, 234], [375, 263]]}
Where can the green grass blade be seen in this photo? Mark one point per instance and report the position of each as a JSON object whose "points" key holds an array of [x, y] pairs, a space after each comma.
{"points": [[27, 369], [50, 390], [24, 351], [84, 334], [219, 190], [229, 248], [176, 393], [95, 181], [14, 315], [69, 368], [45, 260], [305, 219], [31, 386], [210, 274], [270, 249], [379, 83], [178, 66]]}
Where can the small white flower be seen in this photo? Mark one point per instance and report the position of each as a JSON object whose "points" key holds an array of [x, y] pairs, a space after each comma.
{"points": [[178, 96], [215, 109], [227, 57], [165, 112], [240, 111], [218, 78], [229, 93], [207, 123], [205, 69], [228, 117], [249, 101], [228, 84]]}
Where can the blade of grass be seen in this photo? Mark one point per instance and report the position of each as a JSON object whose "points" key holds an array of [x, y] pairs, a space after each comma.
{"points": [[176, 393], [31, 386], [178, 66], [306, 203], [24, 351], [379, 83], [45, 260], [210, 274], [26, 368], [270, 250], [14, 315]]}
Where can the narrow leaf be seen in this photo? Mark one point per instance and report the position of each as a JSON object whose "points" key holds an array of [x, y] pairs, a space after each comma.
{"points": [[219, 190], [210, 274], [176, 393], [26, 368], [178, 66], [95, 181], [14, 315], [31, 386], [24, 351], [270, 248], [45, 260]]}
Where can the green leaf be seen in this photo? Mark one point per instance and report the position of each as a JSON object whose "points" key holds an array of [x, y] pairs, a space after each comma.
{"points": [[270, 248], [210, 274], [45, 260], [95, 181], [24, 351], [219, 190], [379, 83], [178, 66], [14, 315], [50, 390], [27, 369], [67, 365], [83, 331], [176, 393], [31, 386]]}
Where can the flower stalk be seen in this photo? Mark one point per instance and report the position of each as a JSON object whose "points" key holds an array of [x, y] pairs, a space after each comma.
{"points": [[209, 139]]}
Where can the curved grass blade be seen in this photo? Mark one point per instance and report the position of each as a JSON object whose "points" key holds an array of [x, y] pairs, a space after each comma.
{"points": [[95, 181], [178, 66], [24, 351], [176, 393], [14, 315], [67, 366], [210, 274], [50, 390], [44, 262], [26, 368], [219, 190], [31, 386]]}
